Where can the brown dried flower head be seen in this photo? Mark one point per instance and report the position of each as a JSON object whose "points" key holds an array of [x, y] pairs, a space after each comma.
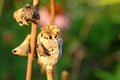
{"points": [[26, 15], [24, 48], [49, 46]]}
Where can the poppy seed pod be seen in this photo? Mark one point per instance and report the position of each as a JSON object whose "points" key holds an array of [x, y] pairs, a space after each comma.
{"points": [[26, 15], [49, 46], [24, 48]]}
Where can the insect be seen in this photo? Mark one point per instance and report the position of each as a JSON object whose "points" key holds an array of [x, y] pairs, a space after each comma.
{"points": [[26, 15]]}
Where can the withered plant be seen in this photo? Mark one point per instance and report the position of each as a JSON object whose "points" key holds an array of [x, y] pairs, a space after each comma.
{"points": [[46, 47]]}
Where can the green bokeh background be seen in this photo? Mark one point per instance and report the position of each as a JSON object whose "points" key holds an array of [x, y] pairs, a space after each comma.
{"points": [[94, 28]]}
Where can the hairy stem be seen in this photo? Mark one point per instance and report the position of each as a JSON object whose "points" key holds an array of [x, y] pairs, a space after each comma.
{"points": [[32, 45]]}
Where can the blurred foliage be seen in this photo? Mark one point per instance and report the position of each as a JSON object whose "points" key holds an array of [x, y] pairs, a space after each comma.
{"points": [[1, 6], [95, 26], [105, 2]]}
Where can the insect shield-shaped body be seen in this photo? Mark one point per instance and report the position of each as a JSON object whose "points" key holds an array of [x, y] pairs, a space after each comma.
{"points": [[26, 15], [24, 48], [48, 46]]}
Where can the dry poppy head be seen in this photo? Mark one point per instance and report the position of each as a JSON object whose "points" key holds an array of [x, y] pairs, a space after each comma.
{"points": [[26, 15]]}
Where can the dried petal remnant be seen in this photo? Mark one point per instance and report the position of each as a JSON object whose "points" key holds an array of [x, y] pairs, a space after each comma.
{"points": [[26, 15]]}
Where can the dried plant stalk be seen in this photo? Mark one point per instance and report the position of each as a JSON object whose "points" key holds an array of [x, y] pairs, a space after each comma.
{"points": [[65, 75], [52, 11], [31, 55], [49, 73], [32, 45], [79, 56]]}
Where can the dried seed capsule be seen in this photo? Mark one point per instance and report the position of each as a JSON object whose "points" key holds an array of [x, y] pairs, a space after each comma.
{"points": [[49, 50], [26, 15], [24, 48]]}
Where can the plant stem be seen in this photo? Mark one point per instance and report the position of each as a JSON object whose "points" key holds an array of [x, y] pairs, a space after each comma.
{"points": [[52, 11], [65, 75], [49, 73], [31, 55], [32, 45]]}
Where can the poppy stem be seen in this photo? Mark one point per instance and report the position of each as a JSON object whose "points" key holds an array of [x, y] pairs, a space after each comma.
{"points": [[32, 45], [52, 11]]}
